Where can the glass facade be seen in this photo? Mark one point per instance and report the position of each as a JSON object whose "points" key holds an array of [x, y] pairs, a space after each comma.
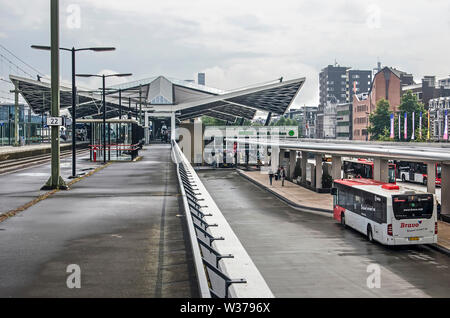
{"points": [[30, 126]]}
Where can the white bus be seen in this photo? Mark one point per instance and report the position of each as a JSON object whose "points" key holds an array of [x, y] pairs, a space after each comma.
{"points": [[416, 172], [386, 213]]}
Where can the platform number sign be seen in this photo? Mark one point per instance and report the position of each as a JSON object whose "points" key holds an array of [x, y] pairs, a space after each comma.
{"points": [[54, 121]]}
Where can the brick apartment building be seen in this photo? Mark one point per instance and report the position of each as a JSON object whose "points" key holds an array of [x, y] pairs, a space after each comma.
{"points": [[387, 84]]}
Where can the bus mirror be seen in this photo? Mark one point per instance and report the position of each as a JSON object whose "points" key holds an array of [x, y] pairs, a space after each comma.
{"points": [[333, 191]]}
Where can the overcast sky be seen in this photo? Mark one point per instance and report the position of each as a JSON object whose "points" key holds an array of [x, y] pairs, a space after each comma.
{"points": [[237, 43]]}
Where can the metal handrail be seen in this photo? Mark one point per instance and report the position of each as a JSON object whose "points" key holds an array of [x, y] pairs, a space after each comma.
{"points": [[202, 280], [199, 235]]}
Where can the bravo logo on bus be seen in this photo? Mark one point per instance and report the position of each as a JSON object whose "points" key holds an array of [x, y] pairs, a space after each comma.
{"points": [[410, 225]]}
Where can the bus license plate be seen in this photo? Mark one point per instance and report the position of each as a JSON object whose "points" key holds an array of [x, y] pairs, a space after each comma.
{"points": [[413, 238]]}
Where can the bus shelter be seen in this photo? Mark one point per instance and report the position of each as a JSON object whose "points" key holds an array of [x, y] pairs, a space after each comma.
{"points": [[124, 138]]}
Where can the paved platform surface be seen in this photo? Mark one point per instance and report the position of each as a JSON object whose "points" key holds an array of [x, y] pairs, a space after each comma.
{"points": [[120, 225], [305, 197], [21, 187], [293, 192], [304, 254]]}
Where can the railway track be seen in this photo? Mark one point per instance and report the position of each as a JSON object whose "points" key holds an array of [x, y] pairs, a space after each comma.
{"points": [[12, 165]]}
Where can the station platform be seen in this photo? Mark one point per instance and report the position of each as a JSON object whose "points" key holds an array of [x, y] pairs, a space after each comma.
{"points": [[297, 196], [300, 197], [122, 226]]}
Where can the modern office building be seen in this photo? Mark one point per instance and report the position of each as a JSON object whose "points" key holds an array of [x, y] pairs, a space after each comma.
{"points": [[344, 121], [445, 82], [429, 89], [332, 90], [337, 85], [333, 84], [358, 81], [307, 117]]}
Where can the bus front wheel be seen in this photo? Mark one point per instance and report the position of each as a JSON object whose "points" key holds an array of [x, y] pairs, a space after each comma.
{"points": [[369, 234]]}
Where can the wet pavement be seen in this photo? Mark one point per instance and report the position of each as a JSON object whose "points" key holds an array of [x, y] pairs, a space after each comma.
{"points": [[120, 225], [304, 254], [22, 186]]}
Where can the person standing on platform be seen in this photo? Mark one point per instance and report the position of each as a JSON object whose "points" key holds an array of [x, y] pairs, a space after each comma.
{"points": [[270, 176], [282, 176]]}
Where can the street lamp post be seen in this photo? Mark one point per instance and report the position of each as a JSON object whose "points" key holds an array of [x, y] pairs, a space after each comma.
{"points": [[103, 77], [74, 91], [55, 181]]}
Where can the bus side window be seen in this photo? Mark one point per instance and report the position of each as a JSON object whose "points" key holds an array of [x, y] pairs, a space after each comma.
{"points": [[380, 210], [357, 200], [346, 199], [368, 207]]}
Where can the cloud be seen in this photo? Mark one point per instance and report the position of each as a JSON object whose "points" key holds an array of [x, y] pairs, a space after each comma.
{"points": [[239, 43], [94, 83], [240, 73]]}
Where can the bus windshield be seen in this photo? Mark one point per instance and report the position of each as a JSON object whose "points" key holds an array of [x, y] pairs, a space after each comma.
{"points": [[358, 169], [413, 206]]}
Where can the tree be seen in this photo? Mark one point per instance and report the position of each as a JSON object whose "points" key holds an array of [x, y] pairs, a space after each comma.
{"points": [[410, 105], [379, 120]]}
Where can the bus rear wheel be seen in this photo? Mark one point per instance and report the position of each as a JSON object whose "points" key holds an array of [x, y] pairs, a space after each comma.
{"points": [[369, 234]]}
